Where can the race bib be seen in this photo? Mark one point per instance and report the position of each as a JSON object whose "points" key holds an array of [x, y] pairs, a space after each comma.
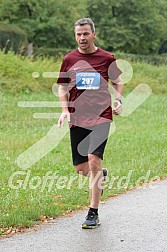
{"points": [[88, 80]]}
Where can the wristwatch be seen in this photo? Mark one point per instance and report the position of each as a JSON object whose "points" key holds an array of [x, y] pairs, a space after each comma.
{"points": [[117, 99]]}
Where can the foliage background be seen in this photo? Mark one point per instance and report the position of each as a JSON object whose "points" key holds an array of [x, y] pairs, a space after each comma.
{"points": [[131, 26]]}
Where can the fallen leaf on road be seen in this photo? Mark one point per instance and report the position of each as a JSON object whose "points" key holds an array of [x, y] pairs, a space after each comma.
{"points": [[9, 230], [43, 218]]}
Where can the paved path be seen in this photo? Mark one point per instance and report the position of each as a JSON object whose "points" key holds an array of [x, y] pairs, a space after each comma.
{"points": [[136, 221]]}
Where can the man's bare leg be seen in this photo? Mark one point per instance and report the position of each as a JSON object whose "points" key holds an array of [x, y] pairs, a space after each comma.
{"points": [[96, 185], [95, 165], [83, 169]]}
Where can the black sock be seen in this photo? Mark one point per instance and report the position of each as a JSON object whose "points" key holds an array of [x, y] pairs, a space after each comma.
{"points": [[94, 210]]}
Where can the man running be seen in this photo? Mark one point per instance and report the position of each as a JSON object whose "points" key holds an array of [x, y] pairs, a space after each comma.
{"points": [[86, 103]]}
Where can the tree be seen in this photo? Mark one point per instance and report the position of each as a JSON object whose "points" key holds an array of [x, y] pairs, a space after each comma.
{"points": [[129, 25], [47, 23]]}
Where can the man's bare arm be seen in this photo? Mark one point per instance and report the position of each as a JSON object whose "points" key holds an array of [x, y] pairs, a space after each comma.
{"points": [[63, 97], [118, 89]]}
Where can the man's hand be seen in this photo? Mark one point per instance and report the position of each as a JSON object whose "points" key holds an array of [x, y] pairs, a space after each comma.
{"points": [[62, 117], [118, 107]]}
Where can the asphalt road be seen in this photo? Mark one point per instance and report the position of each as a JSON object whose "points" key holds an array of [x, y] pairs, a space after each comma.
{"points": [[135, 221]]}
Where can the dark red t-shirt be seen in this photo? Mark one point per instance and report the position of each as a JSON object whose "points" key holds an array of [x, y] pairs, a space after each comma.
{"points": [[88, 107]]}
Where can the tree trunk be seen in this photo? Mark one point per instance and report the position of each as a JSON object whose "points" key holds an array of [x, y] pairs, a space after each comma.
{"points": [[30, 50]]}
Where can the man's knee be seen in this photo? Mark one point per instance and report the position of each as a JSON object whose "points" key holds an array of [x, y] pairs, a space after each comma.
{"points": [[78, 170], [82, 169]]}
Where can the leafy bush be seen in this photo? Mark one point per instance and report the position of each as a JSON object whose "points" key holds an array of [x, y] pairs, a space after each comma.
{"points": [[151, 59], [51, 52], [16, 73], [12, 38], [23, 74]]}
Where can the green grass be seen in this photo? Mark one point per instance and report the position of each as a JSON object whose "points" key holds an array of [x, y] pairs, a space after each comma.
{"points": [[137, 146], [16, 73]]}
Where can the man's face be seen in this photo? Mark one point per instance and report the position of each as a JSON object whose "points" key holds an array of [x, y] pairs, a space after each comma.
{"points": [[84, 36]]}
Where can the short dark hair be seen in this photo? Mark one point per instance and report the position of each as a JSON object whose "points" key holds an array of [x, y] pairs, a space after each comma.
{"points": [[84, 21]]}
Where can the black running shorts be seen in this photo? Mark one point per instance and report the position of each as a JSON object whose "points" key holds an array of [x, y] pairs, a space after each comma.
{"points": [[86, 141]]}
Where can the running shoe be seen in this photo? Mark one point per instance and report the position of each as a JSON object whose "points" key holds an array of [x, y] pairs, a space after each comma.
{"points": [[92, 221], [105, 173]]}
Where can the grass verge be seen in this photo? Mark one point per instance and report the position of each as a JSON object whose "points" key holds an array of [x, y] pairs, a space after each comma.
{"points": [[136, 152]]}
